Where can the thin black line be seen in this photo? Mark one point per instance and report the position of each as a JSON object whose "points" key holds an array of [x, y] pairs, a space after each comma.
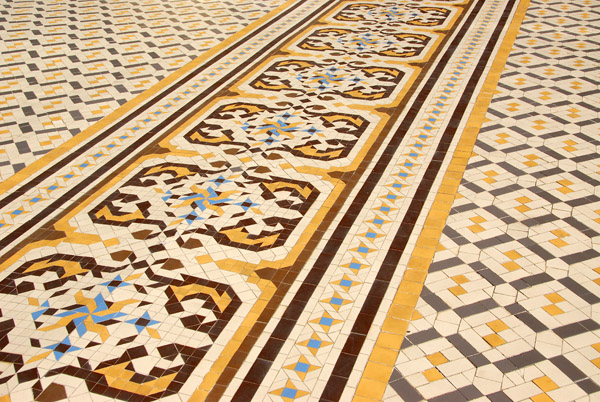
{"points": [[78, 189], [283, 329], [354, 342], [11, 196]]}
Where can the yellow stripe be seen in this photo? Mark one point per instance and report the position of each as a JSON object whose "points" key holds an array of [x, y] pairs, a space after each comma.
{"points": [[51, 156], [387, 347]]}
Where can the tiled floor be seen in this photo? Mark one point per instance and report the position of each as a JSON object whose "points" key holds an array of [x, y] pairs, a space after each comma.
{"points": [[302, 200]]}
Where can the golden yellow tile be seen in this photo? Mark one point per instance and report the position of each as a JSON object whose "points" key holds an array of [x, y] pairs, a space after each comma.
{"points": [[559, 243], [523, 199], [596, 362], [400, 311], [416, 316], [379, 372], [419, 263], [204, 259], [415, 275], [423, 252], [554, 297], [371, 388], [384, 356], [111, 242], [494, 340], [451, 181], [436, 213], [542, 398], [477, 219], [460, 279], [450, 189], [433, 374], [435, 222], [395, 326], [476, 229], [437, 358], [457, 290], [390, 341], [511, 266], [497, 326], [513, 254], [429, 242], [434, 232], [596, 346], [553, 309], [360, 398], [410, 287], [545, 383], [454, 175], [446, 200]]}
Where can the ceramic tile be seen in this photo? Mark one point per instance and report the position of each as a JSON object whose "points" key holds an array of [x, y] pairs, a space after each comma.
{"points": [[299, 200]]}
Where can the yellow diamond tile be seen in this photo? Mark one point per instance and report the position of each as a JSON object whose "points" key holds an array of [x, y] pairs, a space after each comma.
{"points": [[497, 326], [596, 362], [457, 290], [559, 233], [559, 243], [477, 219], [460, 279], [494, 340], [545, 384], [554, 297], [476, 228], [596, 346], [513, 254], [437, 358], [511, 266], [433, 374], [553, 309], [542, 398]]}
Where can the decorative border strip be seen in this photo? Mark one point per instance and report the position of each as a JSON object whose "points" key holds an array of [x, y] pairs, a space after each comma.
{"points": [[387, 347]]}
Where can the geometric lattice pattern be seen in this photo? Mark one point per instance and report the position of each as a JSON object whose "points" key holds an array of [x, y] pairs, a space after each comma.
{"points": [[65, 66], [509, 310], [302, 200]]}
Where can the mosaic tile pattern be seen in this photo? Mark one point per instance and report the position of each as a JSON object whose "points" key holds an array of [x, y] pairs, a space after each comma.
{"points": [[509, 310], [64, 67], [260, 224]]}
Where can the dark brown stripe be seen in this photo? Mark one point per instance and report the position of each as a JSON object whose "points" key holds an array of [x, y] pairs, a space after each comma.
{"points": [[343, 368], [290, 317], [139, 110], [79, 189], [285, 277]]}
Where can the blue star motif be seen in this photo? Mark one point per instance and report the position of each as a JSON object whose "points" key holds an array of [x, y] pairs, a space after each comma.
{"points": [[142, 322]]}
